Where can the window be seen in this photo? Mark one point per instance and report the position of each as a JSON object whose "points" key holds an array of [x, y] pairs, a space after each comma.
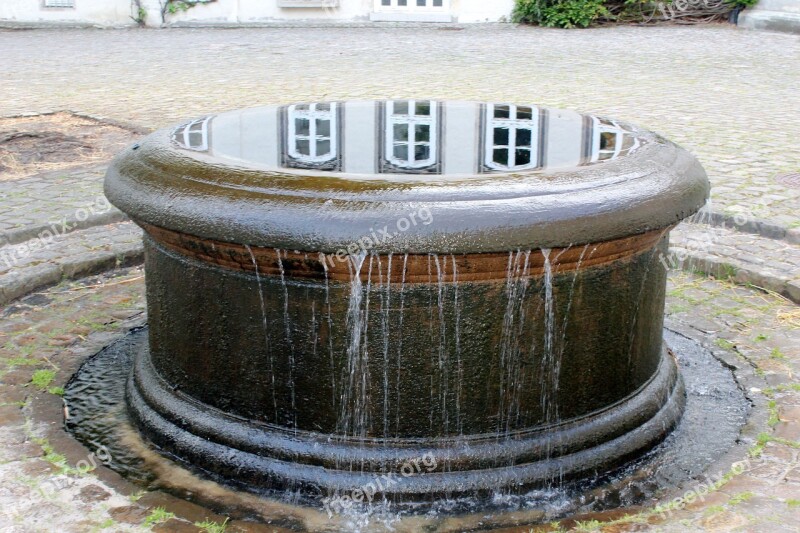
{"points": [[410, 5], [610, 140], [411, 135], [512, 137], [193, 136], [312, 136], [59, 3]]}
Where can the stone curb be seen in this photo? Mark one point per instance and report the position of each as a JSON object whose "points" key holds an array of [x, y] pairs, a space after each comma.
{"points": [[17, 236], [123, 124], [738, 272], [764, 228], [20, 282]]}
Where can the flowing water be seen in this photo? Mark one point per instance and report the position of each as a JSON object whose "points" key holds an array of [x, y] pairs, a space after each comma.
{"points": [[331, 351], [457, 335], [550, 364], [517, 281], [288, 327], [266, 328], [386, 305], [354, 394], [398, 383]]}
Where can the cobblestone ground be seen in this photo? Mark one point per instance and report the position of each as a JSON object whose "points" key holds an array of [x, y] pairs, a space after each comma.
{"points": [[728, 95], [54, 201]]}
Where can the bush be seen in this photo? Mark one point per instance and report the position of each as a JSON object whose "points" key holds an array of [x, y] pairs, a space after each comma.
{"points": [[560, 13], [583, 13]]}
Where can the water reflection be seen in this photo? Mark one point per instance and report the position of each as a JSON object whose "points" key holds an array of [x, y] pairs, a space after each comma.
{"points": [[409, 137]]}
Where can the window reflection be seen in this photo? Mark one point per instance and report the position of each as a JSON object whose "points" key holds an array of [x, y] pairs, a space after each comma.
{"points": [[512, 137], [411, 136], [312, 136], [193, 135], [610, 140]]}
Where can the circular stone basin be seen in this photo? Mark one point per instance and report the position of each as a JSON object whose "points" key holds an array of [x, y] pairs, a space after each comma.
{"points": [[405, 298]]}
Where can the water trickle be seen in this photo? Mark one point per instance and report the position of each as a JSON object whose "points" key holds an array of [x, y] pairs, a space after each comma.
{"points": [[433, 350], [444, 359], [288, 327], [329, 320], [457, 332], [551, 363], [511, 382], [386, 304], [362, 407], [353, 413], [400, 342], [637, 304], [314, 329], [265, 328], [565, 322]]}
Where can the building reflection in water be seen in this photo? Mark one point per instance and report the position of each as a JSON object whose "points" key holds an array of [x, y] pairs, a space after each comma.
{"points": [[409, 137]]}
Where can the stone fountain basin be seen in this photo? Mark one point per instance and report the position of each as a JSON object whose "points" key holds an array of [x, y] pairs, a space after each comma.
{"points": [[509, 332]]}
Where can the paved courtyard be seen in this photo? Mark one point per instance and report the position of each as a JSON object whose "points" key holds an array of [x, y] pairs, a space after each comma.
{"points": [[731, 97]]}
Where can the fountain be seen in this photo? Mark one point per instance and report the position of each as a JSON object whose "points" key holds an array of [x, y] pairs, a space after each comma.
{"points": [[405, 299]]}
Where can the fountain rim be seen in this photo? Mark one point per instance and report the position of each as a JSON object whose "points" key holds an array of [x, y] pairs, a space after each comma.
{"points": [[162, 185]]}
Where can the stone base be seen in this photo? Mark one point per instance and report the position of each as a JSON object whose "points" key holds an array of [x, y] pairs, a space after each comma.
{"points": [[772, 15], [270, 457]]}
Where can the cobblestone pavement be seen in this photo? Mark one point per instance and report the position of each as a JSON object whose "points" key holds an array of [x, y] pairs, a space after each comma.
{"points": [[59, 201], [728, 95], [40, 262]]}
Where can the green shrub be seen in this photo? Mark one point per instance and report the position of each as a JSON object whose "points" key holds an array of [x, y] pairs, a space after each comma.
{"points": [[741, 3], [529, 11], [560, 13], [572, 13], [583, 13]]}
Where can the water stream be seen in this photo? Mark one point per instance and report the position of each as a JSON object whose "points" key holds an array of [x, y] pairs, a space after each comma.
{"points": [[353, 397], [288, 326], [265, 327]]}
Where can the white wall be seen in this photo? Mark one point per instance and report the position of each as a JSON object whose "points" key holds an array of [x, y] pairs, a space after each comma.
{"points": [[101, 12], [233, 11], [482, 10], [118, 12]]}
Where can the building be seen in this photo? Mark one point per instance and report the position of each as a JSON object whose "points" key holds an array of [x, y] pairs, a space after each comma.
{"points": [[124, 12]]}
